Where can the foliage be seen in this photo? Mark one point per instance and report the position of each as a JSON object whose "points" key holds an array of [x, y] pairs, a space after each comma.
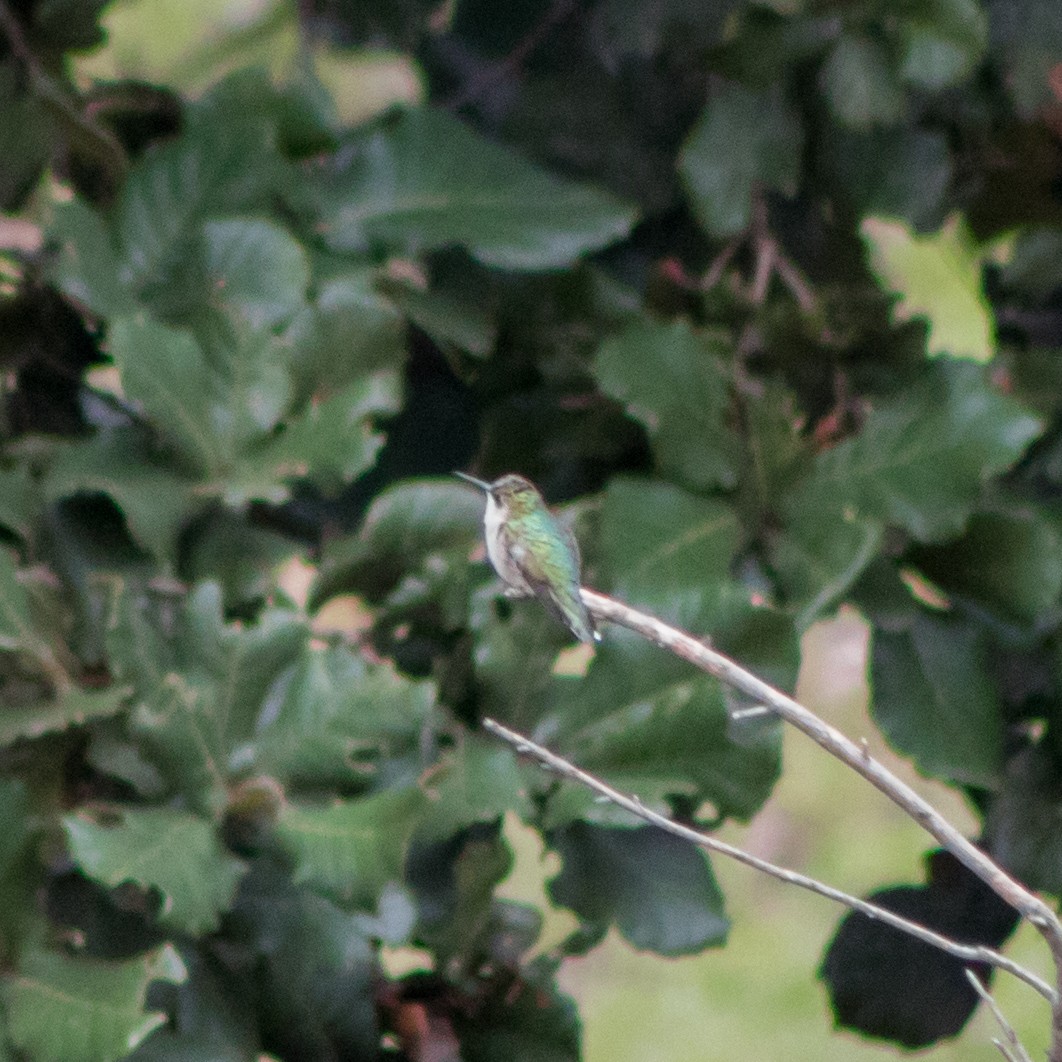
{"points": [[721, 276]]}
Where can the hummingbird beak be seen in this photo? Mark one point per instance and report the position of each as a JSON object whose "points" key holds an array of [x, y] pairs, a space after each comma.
{"points": [[475, 482]]}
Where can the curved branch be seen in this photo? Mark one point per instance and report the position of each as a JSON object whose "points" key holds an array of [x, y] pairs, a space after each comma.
{"points": [[966, 952], [856, 756]]}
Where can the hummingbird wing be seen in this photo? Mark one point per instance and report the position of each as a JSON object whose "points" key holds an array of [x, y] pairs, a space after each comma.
{"points": [[552, 575]]}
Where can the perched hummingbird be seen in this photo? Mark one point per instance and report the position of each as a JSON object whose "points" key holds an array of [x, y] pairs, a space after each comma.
{"points": [[533, 554]]}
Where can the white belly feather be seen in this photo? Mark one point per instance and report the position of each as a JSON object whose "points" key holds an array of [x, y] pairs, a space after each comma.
{"points": [[493, 519]]}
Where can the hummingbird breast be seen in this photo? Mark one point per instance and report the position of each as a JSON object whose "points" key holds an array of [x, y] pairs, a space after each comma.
{"points": [[493, 521]]}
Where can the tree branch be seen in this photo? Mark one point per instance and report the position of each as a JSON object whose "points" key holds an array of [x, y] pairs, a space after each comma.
{"points": [[966, 952], [856, 756]]}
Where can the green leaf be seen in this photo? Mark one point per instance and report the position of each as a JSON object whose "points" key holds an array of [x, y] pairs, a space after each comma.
{"points": [[64, 1009], [665, 548], [210, 1018], [516, 646], [87, 267], [27, 136], [479, 782], [333, 717], [352, 848], [404, 525], [255, 272], [348, 330], [921, 458], [165, 370], [427, 181], [819, 556], [334, 440], [652, 724], [673, 381], [1022, 829], [860, 85], [943, 43], [934, 700], [201, 684], [155, 501], [173, 851], [14, 813], [19, 501], [743, 140], [1006, 562], [73, 707], [450, 317], [220, 165], [894, 172], [938, 277], [658, 890], [316, 967], [16, 622]]}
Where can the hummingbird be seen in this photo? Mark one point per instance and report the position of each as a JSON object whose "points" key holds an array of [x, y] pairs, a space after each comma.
{"points": [[534, 555]]}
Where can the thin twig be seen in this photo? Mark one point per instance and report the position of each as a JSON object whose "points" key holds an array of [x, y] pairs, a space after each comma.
{"points": [[1011, 1048], [966, 952]]}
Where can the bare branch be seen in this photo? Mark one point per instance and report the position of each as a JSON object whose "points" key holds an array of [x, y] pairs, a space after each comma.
{"points": [[966, 952], [1011, 1048], [855, 756]]}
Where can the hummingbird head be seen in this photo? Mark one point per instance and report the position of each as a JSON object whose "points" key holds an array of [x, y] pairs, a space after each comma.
{"points": [[512, 494]]}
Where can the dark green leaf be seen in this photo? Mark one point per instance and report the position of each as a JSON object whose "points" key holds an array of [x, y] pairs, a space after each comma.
{"points": [[535, 1024], [1022, 830], [1006, 562], [210, 1018], [674, 382], [479, 782], [333, 716], [819, 556], [652, 724], [222, 164], [154, 500], [64, 1009], [348, 330], [744, 140], [860, 85], [427, 182], [202, 685], [333, 441], [173, 851], [318, 970], [658, 890], [942, 46], [921, 457], [405, 524], [665, 548], [934, 701], [896, 172], [72, 707], [352, 848], [1027, 37]]}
